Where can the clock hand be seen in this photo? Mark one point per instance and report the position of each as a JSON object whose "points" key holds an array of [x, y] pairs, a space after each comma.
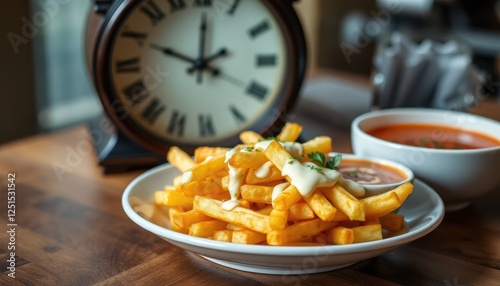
{"points": [[201, 61], [171, 52], [206, 61]]}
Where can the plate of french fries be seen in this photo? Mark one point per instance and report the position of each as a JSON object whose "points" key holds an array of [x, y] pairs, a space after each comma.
{"points": [[276, 206]]}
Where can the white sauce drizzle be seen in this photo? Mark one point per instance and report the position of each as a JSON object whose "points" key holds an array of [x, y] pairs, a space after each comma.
{"points": [[187, 177], [264, 170], [278, 189], [354, 188], [307, 176]]}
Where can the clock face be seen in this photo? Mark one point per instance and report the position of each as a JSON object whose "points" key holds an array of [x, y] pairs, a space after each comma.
{"points": [[197, 71]]}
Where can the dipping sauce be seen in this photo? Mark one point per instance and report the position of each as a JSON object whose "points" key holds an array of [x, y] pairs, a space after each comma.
{"points": [[369, 173], [434, 136]]}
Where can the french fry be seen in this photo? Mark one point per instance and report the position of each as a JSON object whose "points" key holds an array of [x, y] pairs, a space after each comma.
{"points": [[256, 193], [321, 206], [250, 137], [247, 236], [205, 187], [278, 219], [180, 159], [322, 144], [204, 169], [273, 174], [298, 231], [392, 221], [404, 191], [300, 211], [223, 235], [382, 204], [172, 212], [345, 202], [366, 233], [206, 228], [341, 235], [286, 199], [240, 216], [186, 219], [253, 159], [290, 132], [277, 154], [173, 198], [204, 152]]}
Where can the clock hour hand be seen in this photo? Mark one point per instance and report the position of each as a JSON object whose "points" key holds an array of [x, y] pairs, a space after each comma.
{"points": [[201, 54], [204, 63], [173, 53]]}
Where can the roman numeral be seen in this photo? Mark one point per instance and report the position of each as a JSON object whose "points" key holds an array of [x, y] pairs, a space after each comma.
{"points": [[259, 29], [129, 65], [206, 125], [176, 5], [257, 90], [153, 110], [202, 3], [137, 36], [265, 60], [237, 114], [177, 123], [152, 11], [136, 93], [233, 7]]}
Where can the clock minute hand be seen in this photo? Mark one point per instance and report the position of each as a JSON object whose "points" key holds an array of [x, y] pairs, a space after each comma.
{"points": [[201, 52], [173, 53], [207, 60]]}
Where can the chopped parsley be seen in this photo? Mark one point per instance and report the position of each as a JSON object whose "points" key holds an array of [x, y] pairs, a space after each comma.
{"points": [[320, 159]]}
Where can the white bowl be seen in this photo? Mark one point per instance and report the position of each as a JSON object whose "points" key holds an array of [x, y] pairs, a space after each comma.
{"points": [[423, 211], [457, 175], [378, 188]]}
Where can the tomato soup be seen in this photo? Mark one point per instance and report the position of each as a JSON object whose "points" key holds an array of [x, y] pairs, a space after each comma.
{"points": [[434, 136], [370, 173]]}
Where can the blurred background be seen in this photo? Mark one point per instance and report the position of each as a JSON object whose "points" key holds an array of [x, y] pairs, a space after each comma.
{"points": [[46, 86]]}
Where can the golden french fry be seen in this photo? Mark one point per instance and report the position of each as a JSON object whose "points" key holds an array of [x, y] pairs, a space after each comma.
{"points": [[180, 159], [173, 198], [392, 222], [286, 199], [341, 235], [300, 211], [321, 206], [204, 169], [290, 132], [186, 219], [278, 219], [322, 144], [367, 233], [204, 152], [404, 191], [205, 187], [247, 236], [380, 205], [240, 216], [250, 137], [298, 232], [256, 193], [206, 228], [277, 154], [223, 235], [245, 160], [172, 212], [345, 202]]}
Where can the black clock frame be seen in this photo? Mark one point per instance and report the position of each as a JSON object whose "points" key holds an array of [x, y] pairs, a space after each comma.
{"points": [[268, 125]]}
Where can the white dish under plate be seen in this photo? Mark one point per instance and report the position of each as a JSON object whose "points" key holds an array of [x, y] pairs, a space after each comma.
{"points": [[423, 211]]}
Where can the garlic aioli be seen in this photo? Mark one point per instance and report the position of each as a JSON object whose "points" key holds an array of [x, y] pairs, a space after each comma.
{"points": [[264, 170], [307, 176], [235, 180]]}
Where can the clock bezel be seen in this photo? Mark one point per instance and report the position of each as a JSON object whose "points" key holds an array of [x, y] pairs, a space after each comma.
{"points": [[270, 123]]}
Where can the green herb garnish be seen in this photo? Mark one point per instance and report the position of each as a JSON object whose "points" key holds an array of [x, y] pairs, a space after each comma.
{"points": [[319, 158]]}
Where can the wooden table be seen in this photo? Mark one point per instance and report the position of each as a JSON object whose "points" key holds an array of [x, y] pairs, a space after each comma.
{"points": [[70, 229]]}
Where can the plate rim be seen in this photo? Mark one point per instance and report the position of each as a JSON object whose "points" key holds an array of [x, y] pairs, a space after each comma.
{"points": [[436, 215]]}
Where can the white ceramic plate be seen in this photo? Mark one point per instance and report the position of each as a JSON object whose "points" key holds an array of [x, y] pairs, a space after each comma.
{"points": [[423, 212]]}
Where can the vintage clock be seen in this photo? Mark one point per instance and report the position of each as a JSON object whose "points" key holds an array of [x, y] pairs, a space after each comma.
{"points": [[195, 72]]}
